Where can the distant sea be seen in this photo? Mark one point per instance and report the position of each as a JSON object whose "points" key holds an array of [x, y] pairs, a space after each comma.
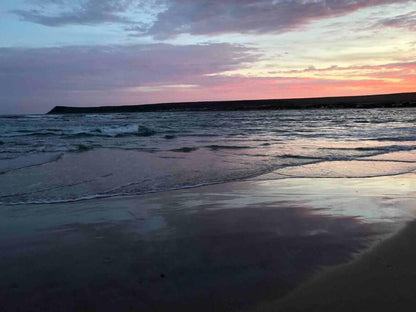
{"points": [[65, 158]]}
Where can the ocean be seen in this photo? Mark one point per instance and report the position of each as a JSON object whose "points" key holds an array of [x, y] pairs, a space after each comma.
{"points": [[63, 158]]}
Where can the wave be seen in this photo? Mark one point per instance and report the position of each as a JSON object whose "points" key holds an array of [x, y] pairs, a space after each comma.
{"points": [[28, 133], [105, 131], [301, 157], [186, 133], [121, 191], [41, 116], [28, 117], [28, 161], [40, 134], [107, 194], [60, 201], [288, 176], [346, 169], [185, 149], [12, 116], [226, 147], [115, 132], [396, 139], [388, 148], [83, 148], [169, 136]]}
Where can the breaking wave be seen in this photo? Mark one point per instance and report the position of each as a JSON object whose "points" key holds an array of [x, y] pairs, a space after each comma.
{"points": [[115, 131]]}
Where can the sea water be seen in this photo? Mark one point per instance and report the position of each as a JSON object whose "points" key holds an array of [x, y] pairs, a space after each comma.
{"points": [[64, 158]]}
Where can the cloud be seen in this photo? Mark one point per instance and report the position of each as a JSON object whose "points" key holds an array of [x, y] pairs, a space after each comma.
{"points": [[401, 21], [97, 68], [234, 88], [85, 12], [38, 79], [167, 18], [354, 80], [387, 70], [205, 17], [47, 73]]}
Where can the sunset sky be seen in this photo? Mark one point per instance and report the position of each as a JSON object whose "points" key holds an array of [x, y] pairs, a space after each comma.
{"points": [[108, 52]]}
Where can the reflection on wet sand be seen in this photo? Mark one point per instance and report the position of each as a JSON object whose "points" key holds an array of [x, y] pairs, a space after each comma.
{"points": [[216, 248]]}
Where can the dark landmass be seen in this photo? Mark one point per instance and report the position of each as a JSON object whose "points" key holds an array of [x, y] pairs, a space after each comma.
{"points": [[367, 101]]}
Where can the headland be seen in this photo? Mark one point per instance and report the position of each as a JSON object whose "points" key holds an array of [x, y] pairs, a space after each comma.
{"points": [[366, 101]]}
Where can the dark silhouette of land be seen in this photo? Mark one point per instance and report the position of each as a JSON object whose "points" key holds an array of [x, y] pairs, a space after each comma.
{"points": [[366, 101]]}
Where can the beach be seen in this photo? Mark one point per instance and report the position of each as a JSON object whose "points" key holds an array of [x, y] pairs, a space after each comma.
{"points": [[206, 211], [224, 247], [207, 156]]}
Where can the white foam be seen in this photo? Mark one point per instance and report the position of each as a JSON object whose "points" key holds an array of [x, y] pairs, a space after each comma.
{"points": [[28, 161], [347, 169]]}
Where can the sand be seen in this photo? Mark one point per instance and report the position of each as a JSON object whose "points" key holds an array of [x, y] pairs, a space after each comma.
{"points": [[224, 247], [382, 279]]}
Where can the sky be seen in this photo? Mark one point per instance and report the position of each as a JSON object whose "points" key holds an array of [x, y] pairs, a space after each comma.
{"points": [[126, 52]]}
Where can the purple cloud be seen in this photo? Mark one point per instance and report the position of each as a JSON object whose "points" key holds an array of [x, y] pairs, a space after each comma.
{"points": [[89, 12], [201, 17], [253, 16], [401, 21], [49, 73]]}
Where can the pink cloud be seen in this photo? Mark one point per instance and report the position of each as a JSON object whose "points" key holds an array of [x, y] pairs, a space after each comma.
{"points": [[38, 79], [88, 75], [234, 88]]}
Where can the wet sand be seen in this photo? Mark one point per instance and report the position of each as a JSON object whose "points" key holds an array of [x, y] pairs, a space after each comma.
{"points": [[224, 247]]}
